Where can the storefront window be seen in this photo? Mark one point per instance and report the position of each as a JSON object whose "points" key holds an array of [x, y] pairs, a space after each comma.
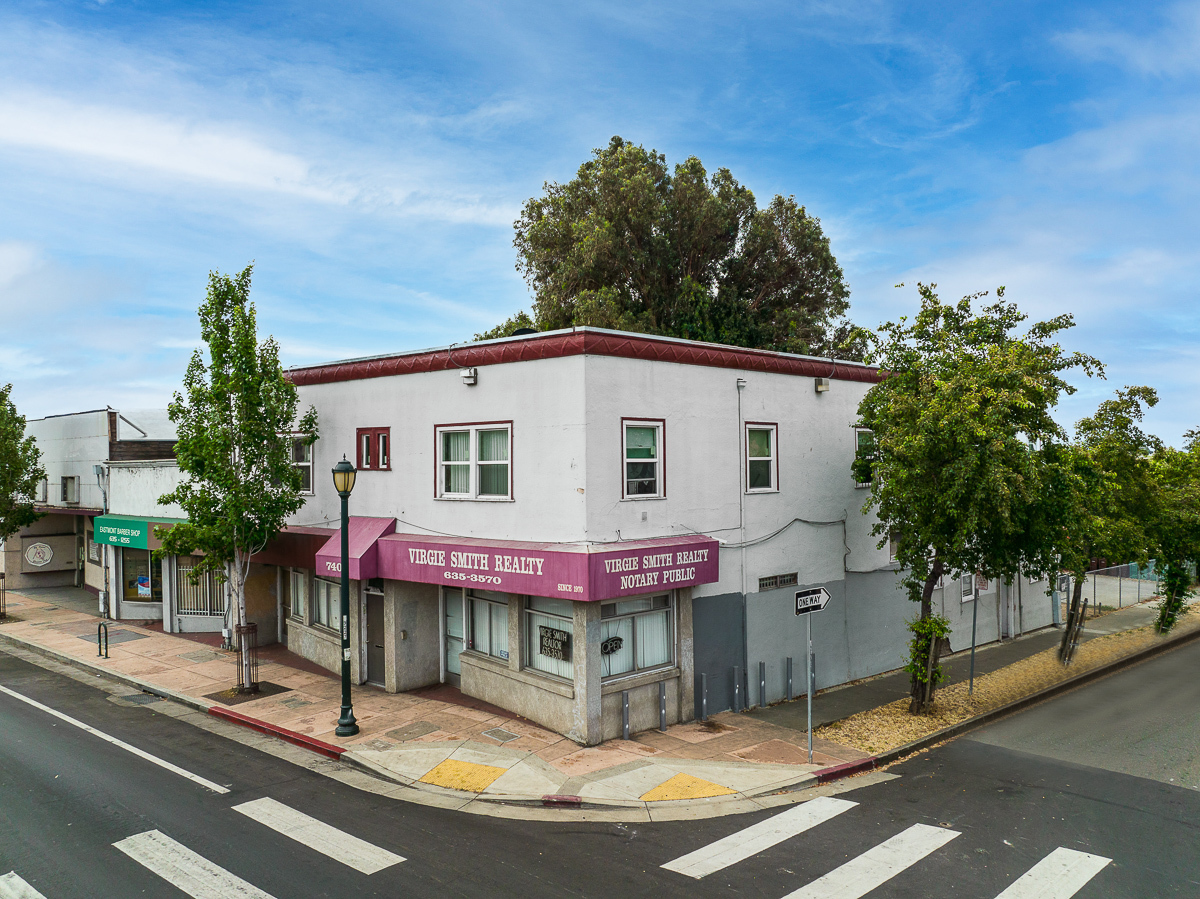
{"points": [[197, 593], [299, 592], [636, 635], [488, 614], [327, 602], [548, 636], [142, 575]]}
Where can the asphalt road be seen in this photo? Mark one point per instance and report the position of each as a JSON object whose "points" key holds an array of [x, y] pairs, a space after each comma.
{"points": [[1090, 771]]}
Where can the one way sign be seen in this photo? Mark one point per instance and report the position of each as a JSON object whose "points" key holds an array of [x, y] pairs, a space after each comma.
{"points": [[811, 600]]}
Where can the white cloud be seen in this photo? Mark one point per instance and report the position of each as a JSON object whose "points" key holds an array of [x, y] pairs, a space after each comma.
{"points": [[1170, 51], [175, 146]]}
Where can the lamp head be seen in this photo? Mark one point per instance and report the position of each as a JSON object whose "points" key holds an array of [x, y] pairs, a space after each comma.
{"points": [[343, 477]]}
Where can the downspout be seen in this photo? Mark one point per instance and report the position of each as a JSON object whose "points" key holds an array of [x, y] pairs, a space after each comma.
{"points": [[744, 687], [106, 601]]}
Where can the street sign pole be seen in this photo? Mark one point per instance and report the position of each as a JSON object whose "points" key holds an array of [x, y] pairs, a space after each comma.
{"points": [[809, 679], [807, 602]]}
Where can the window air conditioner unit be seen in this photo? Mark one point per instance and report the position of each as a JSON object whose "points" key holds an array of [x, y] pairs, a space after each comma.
{"points": [[70, 489]]}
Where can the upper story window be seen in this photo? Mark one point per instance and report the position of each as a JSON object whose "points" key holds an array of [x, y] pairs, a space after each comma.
{"points": [[762, 458], [302, 462], [475, 461], [864, 455], [70, 489], [43, 490], [642, 453], [374, 449]]}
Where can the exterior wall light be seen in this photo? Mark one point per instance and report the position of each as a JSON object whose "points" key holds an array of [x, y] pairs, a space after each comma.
{"points": [[821, 385], [470, 376]]}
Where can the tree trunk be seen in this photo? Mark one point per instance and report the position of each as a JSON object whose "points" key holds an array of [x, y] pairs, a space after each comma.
{"points": [[1074, 614], [238, 591], [922, 691]]}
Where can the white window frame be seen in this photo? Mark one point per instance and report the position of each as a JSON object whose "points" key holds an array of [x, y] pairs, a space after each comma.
{"points": [[472, 461], [302, 614], [860, 430], [660, 461], [470, 638], [772, 460], [334, 606], [292, 441]]}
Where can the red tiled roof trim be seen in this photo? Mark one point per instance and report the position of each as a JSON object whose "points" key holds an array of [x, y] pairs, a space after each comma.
{"points": [[554, 346]]}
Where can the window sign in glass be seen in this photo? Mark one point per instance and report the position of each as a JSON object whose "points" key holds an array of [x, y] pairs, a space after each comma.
{"points": [[636, 635]]}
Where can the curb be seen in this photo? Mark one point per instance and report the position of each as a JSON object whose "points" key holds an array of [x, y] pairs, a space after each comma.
{"points": [[947, 733], [305, 742]]}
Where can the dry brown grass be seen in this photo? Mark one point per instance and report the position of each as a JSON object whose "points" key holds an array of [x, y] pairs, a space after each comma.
{"points": [[878, 730]]}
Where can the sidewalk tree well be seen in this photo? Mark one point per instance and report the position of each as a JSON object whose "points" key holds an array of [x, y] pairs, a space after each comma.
{"points": [[236, 419], [20, 469], [962, 430], [630, 244]]}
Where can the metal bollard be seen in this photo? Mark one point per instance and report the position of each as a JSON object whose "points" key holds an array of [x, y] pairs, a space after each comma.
{"points": [[762, 685], [662, 706], [625, 714], [790, 694], [99, 628], [703, 697], [737, 688]]}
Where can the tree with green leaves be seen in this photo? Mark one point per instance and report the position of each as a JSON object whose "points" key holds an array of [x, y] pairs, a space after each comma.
{"points": [[237, 426], [1176, 529], [630, 244], [1112, 500], [20, 469], [962, 431]]}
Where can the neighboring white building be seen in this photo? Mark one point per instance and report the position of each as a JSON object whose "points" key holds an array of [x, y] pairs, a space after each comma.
{"points": [[600, 453]]}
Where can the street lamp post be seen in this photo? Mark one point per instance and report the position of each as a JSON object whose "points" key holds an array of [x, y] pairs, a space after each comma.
{"points": [[343, 480]]}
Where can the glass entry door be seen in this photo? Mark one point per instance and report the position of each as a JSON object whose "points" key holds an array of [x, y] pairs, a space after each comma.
{"points": [[452, 600]]}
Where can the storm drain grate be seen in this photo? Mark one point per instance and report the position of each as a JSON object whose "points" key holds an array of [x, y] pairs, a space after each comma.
{"points": [[500, 735]]}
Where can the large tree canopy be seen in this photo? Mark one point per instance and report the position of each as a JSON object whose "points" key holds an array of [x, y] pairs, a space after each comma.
{"points": [[20, 469], [963, 438], [631, 245]]}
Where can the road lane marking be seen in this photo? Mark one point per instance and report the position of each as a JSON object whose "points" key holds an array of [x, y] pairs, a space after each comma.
{"points": [[759, 837], [876, 866], [140, 753], [1060, 875], [13, 887], [324, 838], [185, 870]]}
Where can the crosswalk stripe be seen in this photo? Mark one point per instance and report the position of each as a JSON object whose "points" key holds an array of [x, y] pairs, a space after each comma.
{"points": [[185, 870], [860, 875], [13, 887], [326, 839], [758, 837], [1060, 875]]}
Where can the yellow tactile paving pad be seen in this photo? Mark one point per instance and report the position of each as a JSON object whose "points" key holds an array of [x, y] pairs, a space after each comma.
{"points": [[684, 786], [456, 775]]}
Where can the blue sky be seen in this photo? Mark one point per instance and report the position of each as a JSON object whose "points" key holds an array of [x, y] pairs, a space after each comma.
{"points": [[371, 160]]}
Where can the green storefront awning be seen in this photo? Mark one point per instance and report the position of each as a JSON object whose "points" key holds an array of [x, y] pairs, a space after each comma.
{"points": [[128, 530]]}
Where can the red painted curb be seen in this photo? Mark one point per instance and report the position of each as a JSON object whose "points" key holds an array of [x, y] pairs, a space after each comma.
{"points": [[310, 743], [837, 772], [557, 800]]}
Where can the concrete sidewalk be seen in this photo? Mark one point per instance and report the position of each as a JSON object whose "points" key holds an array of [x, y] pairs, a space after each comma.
{"points": [[455, 749]]}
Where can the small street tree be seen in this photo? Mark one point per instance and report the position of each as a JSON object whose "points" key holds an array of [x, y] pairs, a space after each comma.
{"points": [[962, 433], [236, 420], [20, 469], [630, 244], [1176, 529], [1113, 502]]}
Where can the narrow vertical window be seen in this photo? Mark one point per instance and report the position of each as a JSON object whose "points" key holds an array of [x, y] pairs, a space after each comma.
{"points": [[493, 463], [642, 450], [384, 455], [456, 463], [364, 446], [761, 458], [302, 462], [374, 445]]}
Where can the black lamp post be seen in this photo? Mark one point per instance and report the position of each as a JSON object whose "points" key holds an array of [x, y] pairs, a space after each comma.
{"points": [[343, 480]]}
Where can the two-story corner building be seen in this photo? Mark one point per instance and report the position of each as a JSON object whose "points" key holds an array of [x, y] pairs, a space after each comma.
{"points": [[561, 520]]}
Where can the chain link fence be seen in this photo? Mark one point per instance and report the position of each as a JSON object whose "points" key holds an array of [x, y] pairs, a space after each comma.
{"points": [[1111, 588]]}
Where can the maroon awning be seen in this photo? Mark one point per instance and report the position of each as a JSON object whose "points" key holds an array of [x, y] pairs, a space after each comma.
{"points": [[364, 532], [295, 546]]}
